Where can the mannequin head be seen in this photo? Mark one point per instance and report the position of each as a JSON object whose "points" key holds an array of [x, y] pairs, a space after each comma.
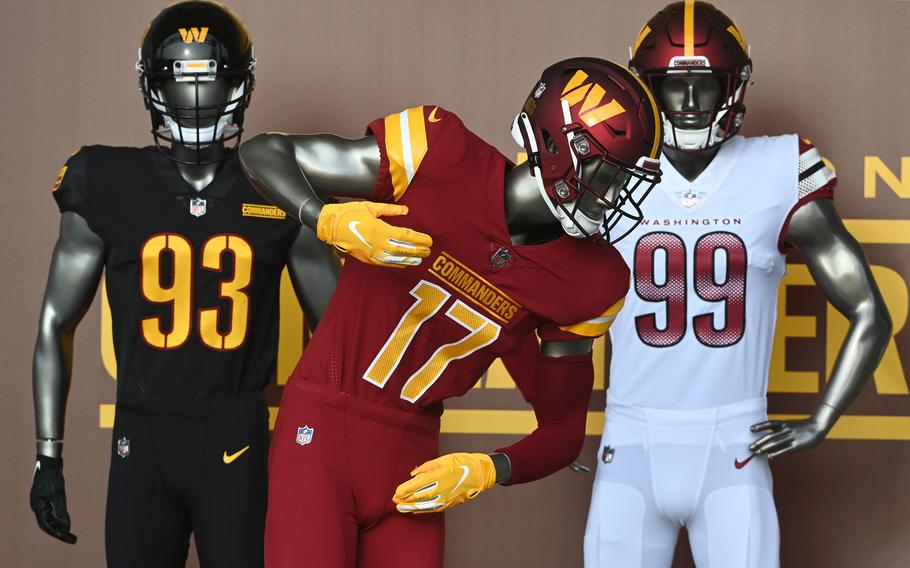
{"points": [[196, 76], [695, 60], [592, 133]]}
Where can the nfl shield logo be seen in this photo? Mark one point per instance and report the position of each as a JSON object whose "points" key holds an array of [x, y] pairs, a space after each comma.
{"points": [[123, 447], [607, 455], [540, 89], [689, 199], [501, 258], [197, 207], [305, 435]]}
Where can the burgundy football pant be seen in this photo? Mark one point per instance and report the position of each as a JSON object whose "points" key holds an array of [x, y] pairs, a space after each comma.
{"points": [[330, 491]]}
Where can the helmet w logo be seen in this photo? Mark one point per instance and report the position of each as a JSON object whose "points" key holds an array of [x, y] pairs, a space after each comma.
{"points": [[193, 34], [592, 94]]}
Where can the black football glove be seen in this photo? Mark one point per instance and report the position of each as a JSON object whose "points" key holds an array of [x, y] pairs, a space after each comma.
{"points": [[48, 499]]}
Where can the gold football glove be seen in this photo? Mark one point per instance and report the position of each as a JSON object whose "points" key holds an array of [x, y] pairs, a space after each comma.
{"points": [[355, 228], [447, 481]]}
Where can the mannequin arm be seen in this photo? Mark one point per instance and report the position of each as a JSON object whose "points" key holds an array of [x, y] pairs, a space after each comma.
{"points": [[76, 267], [841, 271]]}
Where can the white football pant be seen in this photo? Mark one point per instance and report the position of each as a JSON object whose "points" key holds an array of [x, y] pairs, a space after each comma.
{"points": [[659, 470]]}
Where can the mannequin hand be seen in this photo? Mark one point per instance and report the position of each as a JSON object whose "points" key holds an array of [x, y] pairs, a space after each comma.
{"points": [[355, 228], [48, 499], [447, 481], [787, 436]]}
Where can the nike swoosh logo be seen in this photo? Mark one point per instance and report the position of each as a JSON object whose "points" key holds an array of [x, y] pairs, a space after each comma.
{"points": [[741, 464], [230, 458], [433, 115], [353, 227], [466, 470]]}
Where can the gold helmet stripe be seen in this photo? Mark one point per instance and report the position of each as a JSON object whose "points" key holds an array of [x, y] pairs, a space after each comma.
{"points": [[641, 37], [689, 29], [737, 36], [658, 139]]}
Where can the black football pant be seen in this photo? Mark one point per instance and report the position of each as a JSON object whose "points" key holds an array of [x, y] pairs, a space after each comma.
{"points": [[181, 471]]}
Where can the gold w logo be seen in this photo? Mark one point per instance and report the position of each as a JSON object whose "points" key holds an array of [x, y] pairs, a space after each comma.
{"points": [[577, 90], [193, 34]]}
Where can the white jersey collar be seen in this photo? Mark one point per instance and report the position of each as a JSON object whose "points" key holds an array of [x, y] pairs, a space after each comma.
{"points": [[709, 179]]}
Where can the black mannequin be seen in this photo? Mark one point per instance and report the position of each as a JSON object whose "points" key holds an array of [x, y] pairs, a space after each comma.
{"points": [[76, 268], [80, 255]]}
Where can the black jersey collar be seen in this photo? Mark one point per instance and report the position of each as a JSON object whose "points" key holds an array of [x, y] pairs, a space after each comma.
{"points": [[219, 187]]}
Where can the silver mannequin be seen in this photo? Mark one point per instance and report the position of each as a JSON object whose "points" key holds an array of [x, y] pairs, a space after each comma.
{"points": [[78, 261], [837, 263], [293, 171]]}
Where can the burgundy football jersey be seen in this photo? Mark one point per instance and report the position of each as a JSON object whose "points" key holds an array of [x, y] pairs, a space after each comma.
{"points": [[412, 337]]}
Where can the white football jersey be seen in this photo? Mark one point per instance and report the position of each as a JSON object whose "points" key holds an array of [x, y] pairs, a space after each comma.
{"points": [[697, 327]]}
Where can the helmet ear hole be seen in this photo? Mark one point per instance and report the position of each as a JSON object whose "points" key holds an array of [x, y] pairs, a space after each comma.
{"points": [[549, 143]]}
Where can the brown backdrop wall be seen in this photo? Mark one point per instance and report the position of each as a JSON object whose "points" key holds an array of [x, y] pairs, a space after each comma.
{"points": [[832, 70]]}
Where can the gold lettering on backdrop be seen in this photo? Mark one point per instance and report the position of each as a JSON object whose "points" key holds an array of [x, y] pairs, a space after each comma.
{"points": [[498, 377], [782, 380], [107, 335], [874, 169], [292, 329], [889, 378]]}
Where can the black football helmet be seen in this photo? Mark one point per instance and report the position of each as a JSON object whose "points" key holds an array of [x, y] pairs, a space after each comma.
{"points": [[195, 69]]}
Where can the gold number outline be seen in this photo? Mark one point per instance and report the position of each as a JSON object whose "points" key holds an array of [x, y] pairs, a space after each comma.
{"points": [[151, 325], [482, 332], [430, 298], [185, 257], [240, 301], [420, 311]]}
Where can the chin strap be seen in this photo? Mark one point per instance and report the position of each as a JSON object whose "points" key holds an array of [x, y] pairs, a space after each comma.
{"points": [[205, 136], [588, 226], [202, 137], [688, 139]]}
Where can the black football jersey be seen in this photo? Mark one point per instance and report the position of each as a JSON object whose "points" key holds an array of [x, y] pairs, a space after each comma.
{"points": [[192, 276]]}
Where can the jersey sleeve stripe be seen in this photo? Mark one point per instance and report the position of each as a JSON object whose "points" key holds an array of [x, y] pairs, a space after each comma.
{"points": [[808, 157], [595, 327], [407, 154], [804, 173], [406, 145], [60, 177], [820, 178], [604, 319], [814, 173], [824, 191], [805, 145], [395, 155], [417, 132]]}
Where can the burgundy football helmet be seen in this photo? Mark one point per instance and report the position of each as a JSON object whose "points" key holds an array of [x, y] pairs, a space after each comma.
{"points": [[592, 133], [695, 38]]}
